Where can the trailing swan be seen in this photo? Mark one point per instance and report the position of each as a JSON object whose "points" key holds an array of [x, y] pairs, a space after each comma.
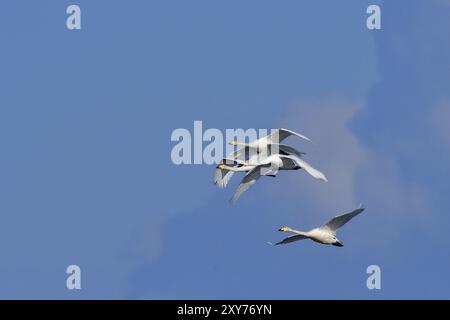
{"points": [[325, 234]]}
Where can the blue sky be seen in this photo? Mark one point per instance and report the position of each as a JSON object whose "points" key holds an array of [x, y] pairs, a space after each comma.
{"points": [[85, 124]]}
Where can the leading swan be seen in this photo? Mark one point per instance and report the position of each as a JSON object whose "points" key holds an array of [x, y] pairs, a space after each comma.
{"points": [[252, 151]]}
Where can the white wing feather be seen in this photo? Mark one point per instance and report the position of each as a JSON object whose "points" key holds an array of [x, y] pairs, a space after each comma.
{"points": [[290, 239], [307, 167], [340, 220], [250, 178], [222, 177]]}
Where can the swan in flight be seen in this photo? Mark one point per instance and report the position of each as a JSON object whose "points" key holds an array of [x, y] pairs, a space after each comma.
{"points": [[325, 234], [251, 151], [268, 167]]}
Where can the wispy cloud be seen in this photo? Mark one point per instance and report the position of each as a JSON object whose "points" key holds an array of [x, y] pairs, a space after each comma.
{"points": [[334, 150], [357, 173]]}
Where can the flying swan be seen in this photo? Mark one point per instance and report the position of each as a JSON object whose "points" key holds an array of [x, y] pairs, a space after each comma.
{"points": [[251, 151], [325, 234], [269, 167]]}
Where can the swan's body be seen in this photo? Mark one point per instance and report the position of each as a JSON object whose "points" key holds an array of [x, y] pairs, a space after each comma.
{"points": [[269, 167], [325, 234], [254, 152]]}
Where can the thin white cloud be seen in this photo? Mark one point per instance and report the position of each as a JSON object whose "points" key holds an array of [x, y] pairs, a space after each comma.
{"points": [[356, 174], [334, 151]]}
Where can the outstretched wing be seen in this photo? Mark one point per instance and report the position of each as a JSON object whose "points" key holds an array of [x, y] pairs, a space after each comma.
{"points": [[290, 239], [339, 221], [280, 134], [222, 177], [277, 148], [306, 166], [290, 150], [250, 178]]}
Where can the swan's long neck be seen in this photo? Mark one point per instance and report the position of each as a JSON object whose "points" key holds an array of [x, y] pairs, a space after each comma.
{"points": [[235, 169], [287, 229], [302, 233]]}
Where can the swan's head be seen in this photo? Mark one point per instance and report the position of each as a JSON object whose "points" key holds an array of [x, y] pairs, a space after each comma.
{"points": [[221, 166], [285, 229]]}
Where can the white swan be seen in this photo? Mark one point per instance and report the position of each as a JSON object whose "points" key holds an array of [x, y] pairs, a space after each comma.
{"points": [[325, 234], [252, 151], [269, 167]]}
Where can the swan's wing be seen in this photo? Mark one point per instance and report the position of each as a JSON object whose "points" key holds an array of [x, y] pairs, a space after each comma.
{"points": [[339, 221], [250, 178], [290, 150], [222, 177], [280, 134], [234, 162], [307, 167], [290, 239]]}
